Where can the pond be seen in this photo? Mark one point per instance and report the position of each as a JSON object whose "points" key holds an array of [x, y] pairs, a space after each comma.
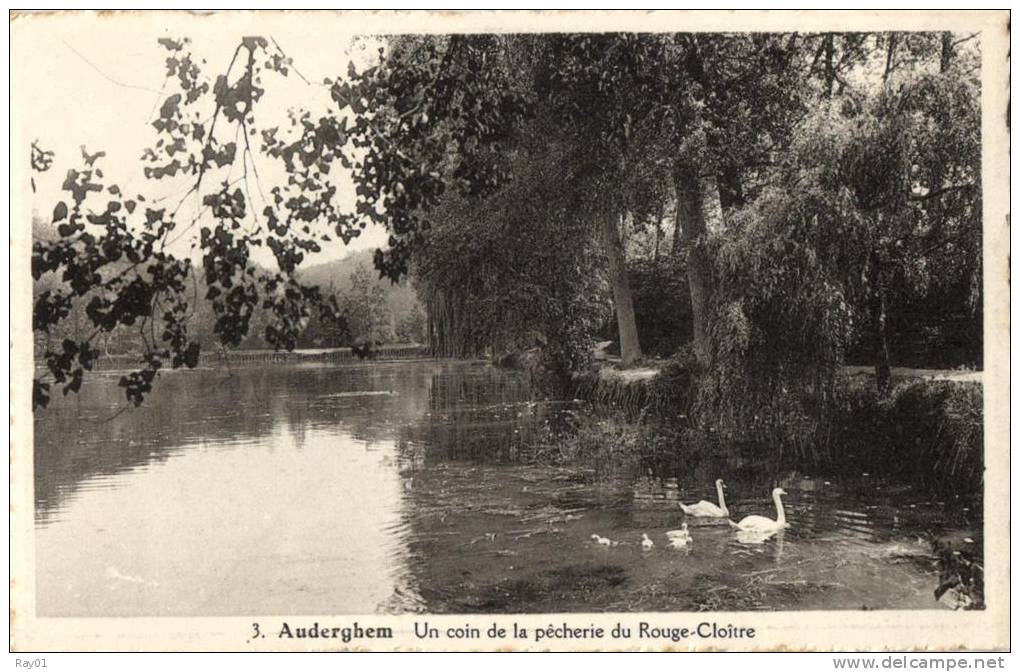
{"points": [[399, 487]]}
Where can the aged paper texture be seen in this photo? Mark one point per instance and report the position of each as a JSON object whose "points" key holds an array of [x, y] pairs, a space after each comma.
{"points": [[179, 485]]}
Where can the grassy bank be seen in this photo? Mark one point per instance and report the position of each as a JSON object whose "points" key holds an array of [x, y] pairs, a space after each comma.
{"points": [[926, 430]]}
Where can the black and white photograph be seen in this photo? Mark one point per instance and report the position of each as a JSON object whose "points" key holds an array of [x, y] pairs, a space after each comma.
{"points": [[372, 330]]}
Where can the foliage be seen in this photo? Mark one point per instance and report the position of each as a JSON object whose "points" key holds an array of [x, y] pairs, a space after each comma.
{"points": [[411, 327], [868, 202], [515, 269], [428, 116], [645, 102], [847, 169], [962, 576], [365, 310], [113, 254], [673, 391], [896, 187], [778, 327], [662, 304]]}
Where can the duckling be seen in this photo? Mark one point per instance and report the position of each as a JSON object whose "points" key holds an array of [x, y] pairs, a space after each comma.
{"points": [[603, 541], [679, 542], [679, 538], [646, 543], [682, 532]]}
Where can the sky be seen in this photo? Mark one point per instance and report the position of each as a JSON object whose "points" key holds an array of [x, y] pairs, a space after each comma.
{"points": [[98, 83]]}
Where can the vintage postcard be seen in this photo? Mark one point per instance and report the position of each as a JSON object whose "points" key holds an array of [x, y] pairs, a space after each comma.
{"points": [[507, 331]]}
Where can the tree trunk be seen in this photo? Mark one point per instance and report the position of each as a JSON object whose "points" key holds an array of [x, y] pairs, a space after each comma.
{"points": [[658, 233], [690, 211], [678, 237], [883, 368], [946, 57], [655, 252], [830, 64], [630, 347], [890, 57]]}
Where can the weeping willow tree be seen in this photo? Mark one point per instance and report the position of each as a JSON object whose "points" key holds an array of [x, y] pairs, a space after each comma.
{"points": [[779, 325], [875, 207], [519, 268]]}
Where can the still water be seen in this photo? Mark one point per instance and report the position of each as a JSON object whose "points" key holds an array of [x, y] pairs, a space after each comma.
{"points": [[399, 487]]}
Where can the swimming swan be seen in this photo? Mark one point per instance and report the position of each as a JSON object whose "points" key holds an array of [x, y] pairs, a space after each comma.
{"points": [[646, 543], [603, 541], [763, 524], [705, 509]]}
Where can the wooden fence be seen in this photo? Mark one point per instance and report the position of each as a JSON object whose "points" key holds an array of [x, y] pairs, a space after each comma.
{"points": [[257, 357]]}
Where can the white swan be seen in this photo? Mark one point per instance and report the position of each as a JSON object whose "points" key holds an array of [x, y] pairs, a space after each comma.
{"points": [[646, 543], [679, 538], [603, 541], [756, 537], [763, 524], [705, 509]]}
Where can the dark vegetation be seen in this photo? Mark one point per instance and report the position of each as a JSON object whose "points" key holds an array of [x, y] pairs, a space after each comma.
{"points": [[662, 306], [930, 432], [778, 204]]}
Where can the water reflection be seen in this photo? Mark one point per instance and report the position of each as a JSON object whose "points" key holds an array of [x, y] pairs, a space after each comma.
{"points": [[400, 487], [256, 493]]}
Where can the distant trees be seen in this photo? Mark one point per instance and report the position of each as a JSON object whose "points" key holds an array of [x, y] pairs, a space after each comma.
{"points": [[365, 313], [364, 308], [411, 327]]}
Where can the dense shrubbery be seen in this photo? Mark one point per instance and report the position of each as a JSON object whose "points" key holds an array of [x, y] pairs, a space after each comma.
{"points": [[515, 270], [673, 391], [778, 326], [928, 430]]}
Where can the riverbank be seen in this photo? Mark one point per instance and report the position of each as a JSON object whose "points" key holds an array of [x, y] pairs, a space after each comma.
{"points": [[928, 426], [899, 374], [926, 431]]}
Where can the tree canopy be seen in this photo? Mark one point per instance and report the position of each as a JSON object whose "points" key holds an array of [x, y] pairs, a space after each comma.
{"points": [[817, 186]]}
